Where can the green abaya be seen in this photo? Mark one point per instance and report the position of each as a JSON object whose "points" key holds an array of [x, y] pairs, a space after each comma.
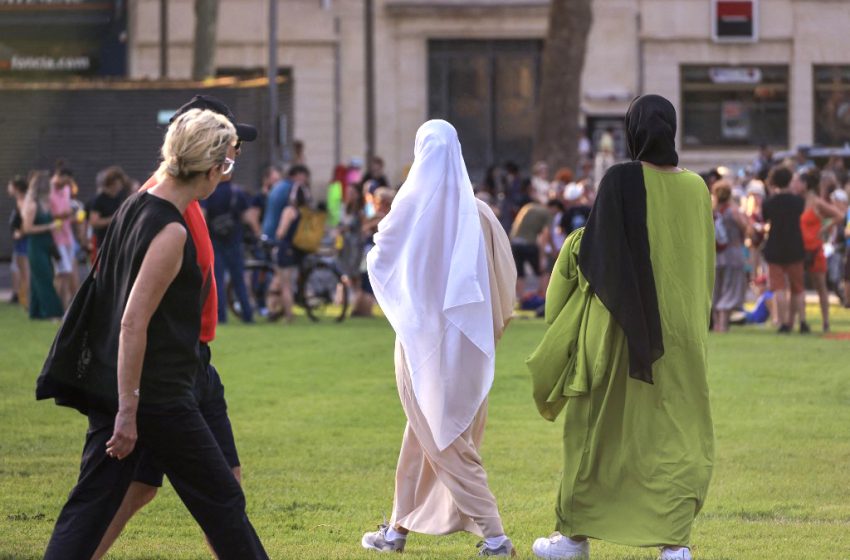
{"points": [[637, 456]]}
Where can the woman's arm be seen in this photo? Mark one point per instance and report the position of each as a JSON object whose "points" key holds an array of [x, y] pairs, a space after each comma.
{"points": [[98, 221], [159, 268], [370, 226], [286, 218], [252, 218], [827, 210], [28, 225]]}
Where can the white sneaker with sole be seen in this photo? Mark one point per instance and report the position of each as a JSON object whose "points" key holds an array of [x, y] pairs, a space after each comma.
{"points": [[681, 554], [379, 541], [559, 547]]}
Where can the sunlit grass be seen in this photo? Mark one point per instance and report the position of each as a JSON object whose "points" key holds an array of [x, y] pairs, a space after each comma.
{"points": [[318, 426]]}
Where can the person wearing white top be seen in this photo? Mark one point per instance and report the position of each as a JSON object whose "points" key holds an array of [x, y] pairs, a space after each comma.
{"points": [[443, 274]]}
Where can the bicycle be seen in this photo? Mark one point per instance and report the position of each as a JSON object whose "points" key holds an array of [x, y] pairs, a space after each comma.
{"points": [[321, 289]]}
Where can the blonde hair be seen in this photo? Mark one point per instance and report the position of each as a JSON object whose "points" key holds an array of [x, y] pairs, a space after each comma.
{"points": [[196, 142], [722, 189], [39, 188], [383, 195]]}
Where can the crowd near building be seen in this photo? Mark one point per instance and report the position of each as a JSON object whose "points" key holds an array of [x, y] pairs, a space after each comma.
{"points": [[757, 85], [740, 74]]}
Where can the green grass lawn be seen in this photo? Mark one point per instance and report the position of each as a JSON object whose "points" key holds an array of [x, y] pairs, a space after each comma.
{"points": [[318, 426]]}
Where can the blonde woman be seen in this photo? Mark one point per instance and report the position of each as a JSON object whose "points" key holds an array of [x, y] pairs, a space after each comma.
{"points": [[145, 326], [38, 225]]}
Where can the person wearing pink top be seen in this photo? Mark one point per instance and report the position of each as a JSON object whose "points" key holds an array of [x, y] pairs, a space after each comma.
{"points": [[67, 275]]}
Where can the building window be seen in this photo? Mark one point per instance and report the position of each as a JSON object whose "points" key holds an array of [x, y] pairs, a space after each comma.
{"points": [[488, 90], [832, 105], [727, 106]]}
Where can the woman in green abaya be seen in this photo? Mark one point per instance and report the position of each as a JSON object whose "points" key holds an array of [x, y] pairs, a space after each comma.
{"points": [[625, 356]]}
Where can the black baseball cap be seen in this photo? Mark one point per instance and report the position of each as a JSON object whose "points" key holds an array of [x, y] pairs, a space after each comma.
{"points": [[245, 132]]}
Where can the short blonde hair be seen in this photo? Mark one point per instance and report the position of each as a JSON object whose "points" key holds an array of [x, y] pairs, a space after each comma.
{"points": [[384, 195], [39, 188], [196, 142], [722, 189]]}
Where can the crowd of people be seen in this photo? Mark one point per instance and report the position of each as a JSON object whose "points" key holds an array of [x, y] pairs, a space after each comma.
{"points": [[137, 339], [780, 226], [624, 357], [56, 236], [54, 233]]}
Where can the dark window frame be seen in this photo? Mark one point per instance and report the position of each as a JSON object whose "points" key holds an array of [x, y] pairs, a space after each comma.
{"points": [[440, 52], [842, 71], [777, 77]]}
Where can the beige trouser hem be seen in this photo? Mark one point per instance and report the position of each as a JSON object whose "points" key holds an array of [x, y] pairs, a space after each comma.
{"points": [[440, 492]]}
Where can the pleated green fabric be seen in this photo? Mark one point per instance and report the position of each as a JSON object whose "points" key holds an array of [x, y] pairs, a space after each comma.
{"points": [[637, 456]]}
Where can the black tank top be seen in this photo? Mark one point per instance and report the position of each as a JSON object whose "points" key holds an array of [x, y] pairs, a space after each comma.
{"points": [[171, 359]]}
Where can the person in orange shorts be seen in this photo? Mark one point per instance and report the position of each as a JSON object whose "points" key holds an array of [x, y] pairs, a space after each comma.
{"points": [[783, 249], [817, 218]]}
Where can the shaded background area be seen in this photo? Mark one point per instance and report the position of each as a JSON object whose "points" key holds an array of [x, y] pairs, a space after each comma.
{"points": [[92, 126]]}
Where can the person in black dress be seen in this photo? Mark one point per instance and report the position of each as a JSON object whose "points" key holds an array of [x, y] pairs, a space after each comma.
{"points": [[145, 355]]}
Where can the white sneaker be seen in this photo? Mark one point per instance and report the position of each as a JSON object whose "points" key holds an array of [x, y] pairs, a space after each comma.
{"points": [[559, 547], [681, 554]]}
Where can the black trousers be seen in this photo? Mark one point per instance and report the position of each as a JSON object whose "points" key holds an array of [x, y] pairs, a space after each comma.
{"points": [[182, 444]]}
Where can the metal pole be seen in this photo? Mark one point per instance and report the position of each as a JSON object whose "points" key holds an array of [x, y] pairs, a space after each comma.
{"points": [[163, 39], [337, 94], [369, 32], [273, 125], [641, 62]]}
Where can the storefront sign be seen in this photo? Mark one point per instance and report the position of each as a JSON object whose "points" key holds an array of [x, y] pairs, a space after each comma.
{"points": [[45, 39], [55, 11], [734, 75], [734, 20]]}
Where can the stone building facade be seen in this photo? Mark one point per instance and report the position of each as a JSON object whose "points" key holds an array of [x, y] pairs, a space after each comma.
{"points": [[477, 63]]}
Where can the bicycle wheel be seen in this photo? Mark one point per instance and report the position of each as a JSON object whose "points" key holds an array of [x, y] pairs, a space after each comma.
{"points": [[266, 272], [323, 292]]}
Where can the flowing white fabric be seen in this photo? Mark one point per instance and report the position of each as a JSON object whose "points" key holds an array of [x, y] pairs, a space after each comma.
{"points": [[429, 273]]}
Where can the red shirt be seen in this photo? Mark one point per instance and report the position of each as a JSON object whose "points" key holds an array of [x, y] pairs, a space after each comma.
{"points": [[194, 218]]}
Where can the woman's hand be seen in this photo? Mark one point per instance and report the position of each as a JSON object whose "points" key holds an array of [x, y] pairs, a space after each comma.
{"points": [[124, 436]]}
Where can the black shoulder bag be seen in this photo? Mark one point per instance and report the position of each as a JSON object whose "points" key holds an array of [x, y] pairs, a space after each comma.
{"points": [[65, 375]]}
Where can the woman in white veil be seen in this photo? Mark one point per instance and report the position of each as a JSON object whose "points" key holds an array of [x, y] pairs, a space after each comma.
{"points": [[444, 276]]}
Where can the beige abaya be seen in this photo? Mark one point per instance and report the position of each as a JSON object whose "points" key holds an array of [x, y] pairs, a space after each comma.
{"points": [[439, 492]]}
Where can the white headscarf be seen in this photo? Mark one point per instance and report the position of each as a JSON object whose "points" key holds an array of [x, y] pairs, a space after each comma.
{"points": [[429, 273]]}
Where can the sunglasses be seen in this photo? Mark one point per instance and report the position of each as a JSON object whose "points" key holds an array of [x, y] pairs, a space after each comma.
{"points": [[227, 166]]}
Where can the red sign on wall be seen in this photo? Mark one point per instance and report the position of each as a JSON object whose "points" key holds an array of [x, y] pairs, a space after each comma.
{"points": [[735, 20]]}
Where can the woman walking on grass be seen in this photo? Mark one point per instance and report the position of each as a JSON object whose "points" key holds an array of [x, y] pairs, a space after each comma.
{"points": [[625, 356], [443, 274], [143, 358]]}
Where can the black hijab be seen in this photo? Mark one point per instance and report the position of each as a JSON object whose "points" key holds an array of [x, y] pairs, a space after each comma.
{"points": [[651, 130], [614, 255]]}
